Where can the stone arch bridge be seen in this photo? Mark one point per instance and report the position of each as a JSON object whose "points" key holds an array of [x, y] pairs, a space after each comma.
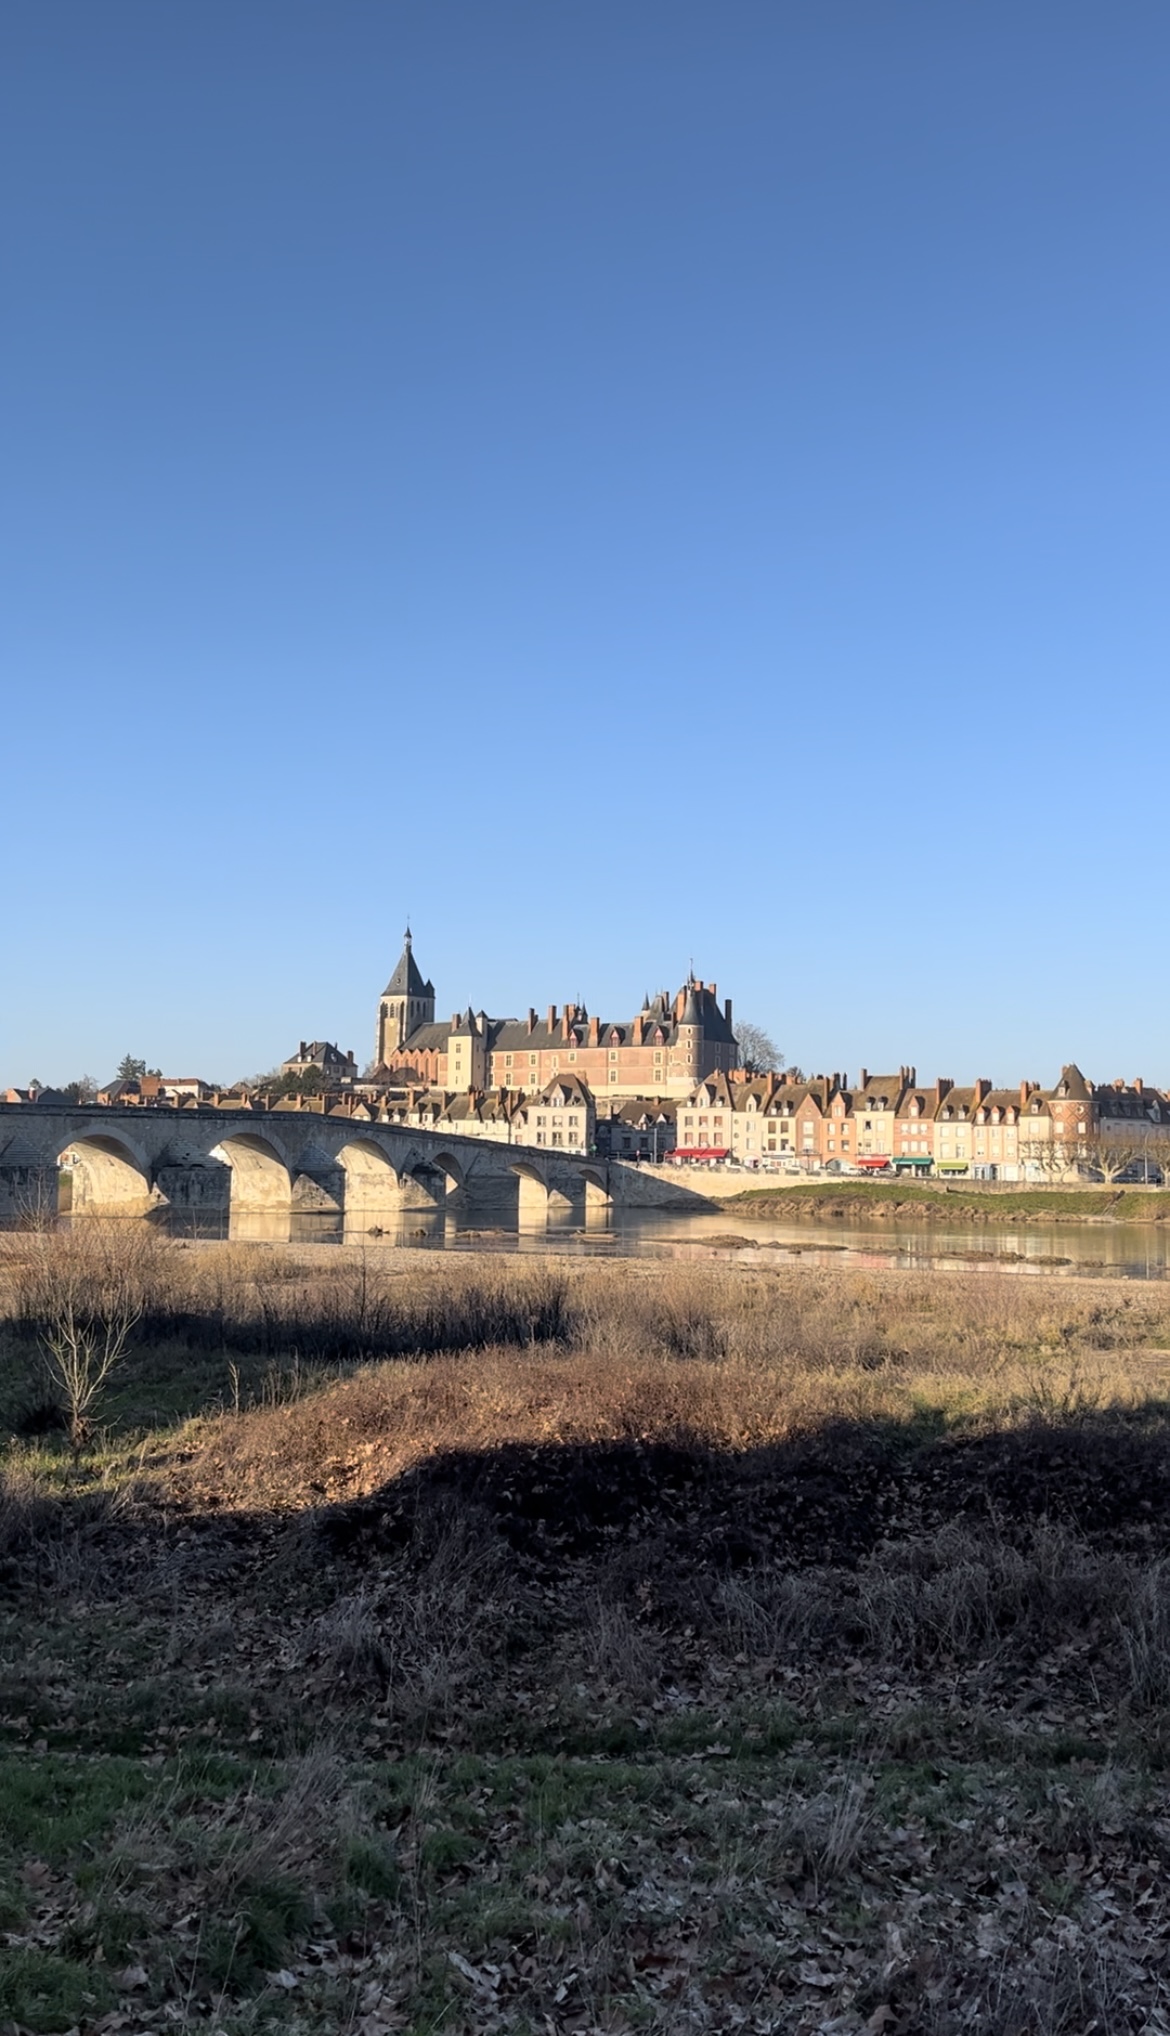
{"points": [[131, 1161]]}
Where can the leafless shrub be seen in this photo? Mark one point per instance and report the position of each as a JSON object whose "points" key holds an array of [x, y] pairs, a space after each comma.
{"points": [[29, 1515], [962, 1594], [779, 1613], [1075, 1983], [1144, 1623], [619, 1651], [829, 1829], [348, 1639]]}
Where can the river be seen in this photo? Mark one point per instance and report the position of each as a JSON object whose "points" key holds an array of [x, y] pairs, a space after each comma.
{"points": [[1130, 1251]]}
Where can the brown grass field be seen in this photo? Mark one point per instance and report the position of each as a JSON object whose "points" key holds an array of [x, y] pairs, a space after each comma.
{"points": [[472, 1644]]}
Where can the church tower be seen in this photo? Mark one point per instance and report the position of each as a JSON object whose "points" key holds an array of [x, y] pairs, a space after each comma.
{"points": [[405, 1003]]}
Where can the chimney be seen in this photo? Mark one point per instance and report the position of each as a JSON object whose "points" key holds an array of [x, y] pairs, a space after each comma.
{"points": [[595, 1031], [566, 1017], [982, 1088], [552, 1017], [942, 1088], [679, 1002], [638, 1032], [862, 1077], [1138, 1086], [1025, 1092], [301, 1054], [531, 1019], [912, 1077], [712, 989], [727, 1012]]}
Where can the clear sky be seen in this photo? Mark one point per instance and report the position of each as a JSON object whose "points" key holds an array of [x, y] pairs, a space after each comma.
{"points": [[621, 483]]}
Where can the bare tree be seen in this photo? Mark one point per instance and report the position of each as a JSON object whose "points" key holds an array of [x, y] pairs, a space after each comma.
{"points": [[1046, 1156], [81, 1353], [1109, 1154], [84, 1292], [758, 1051]]}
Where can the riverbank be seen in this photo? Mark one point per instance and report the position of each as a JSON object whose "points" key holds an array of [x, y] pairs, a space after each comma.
{"points": [[887, 1201]]}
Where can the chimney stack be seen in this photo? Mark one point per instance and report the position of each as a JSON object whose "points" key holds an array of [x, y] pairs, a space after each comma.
{"points": [[942, 1088], [552, 1017], [595, 1031], [862, 1077], [727, 1012], [531, 1019], [982, 1088]]}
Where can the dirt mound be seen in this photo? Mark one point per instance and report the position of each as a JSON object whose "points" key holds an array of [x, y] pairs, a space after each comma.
{"points": [[828, 1499]]}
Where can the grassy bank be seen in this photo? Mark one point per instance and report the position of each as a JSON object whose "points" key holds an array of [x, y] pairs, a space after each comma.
{"points": [[713, 1649], [879, 1201]]}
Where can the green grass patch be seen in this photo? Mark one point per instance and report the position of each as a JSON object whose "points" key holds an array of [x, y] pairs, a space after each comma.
{"points": [[966, 1203]]}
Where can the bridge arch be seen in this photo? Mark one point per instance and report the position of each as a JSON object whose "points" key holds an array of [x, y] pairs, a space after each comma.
{"points": [[454, 1169], [533, 1191], [371, 1179], [104, 1173], [597, 1193], [260, 1177], [424, 1182]]}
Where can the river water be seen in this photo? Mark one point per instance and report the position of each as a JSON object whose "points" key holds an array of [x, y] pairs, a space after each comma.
{"points": [[1131, 1251]]}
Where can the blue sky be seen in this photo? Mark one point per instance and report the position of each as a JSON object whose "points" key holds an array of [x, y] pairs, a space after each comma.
{"points": [[620, 484]]}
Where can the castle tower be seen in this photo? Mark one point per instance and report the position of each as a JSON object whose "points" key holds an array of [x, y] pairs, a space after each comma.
{"points": [[467, 1051], [690, 1037], [405, 1003]]}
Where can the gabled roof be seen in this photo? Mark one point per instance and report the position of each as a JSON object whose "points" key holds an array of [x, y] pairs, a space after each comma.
{"points": [[957, 1104], [880, 1092]]}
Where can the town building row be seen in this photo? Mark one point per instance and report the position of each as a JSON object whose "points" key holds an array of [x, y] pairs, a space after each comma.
{"points": [[881, 1124]]}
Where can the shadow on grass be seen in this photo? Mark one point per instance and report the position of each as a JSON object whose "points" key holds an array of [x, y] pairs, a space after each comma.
{"points": [[831, 1494]]}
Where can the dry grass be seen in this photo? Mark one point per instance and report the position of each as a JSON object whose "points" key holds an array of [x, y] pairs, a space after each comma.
{"points": [[645, 1647]]}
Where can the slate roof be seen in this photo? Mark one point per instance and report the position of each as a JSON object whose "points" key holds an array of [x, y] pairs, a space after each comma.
{"points": [[407, 978]]}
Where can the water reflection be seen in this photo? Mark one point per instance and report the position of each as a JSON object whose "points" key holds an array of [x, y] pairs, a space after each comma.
{"points": [[1134, 1251]]}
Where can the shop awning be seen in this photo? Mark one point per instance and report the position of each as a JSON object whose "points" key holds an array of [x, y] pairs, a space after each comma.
{"points": [[915, 1159], [873, 1161], [952, 1166], [702, 1152]]}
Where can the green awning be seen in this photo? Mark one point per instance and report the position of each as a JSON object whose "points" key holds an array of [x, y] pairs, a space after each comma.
{"points": [[915, 1159]]}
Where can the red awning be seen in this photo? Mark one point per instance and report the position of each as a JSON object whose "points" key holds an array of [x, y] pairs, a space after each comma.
{"points": [[875, 1161], [702, 1152]]}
